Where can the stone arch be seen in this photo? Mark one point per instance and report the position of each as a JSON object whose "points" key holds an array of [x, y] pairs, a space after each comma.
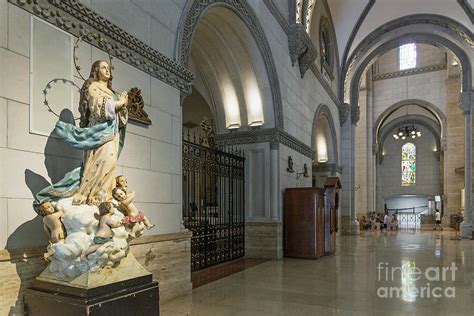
{"points": [[421, 28], [189, 20], [421, 103], [421, 120], [323, 110]]}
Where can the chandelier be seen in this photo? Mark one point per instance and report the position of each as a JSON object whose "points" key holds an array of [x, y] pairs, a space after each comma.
{"points": [[407, 131]]}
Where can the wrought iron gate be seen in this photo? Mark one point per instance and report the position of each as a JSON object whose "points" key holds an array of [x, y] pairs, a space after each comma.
{"points": [[213, 203]]}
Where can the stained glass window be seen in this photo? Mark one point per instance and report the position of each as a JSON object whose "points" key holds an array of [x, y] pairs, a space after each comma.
{"points": [[408, 164], [407, 56]]}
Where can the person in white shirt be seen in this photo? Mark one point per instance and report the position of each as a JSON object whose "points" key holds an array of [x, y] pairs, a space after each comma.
{"points": [[438, 220], [386, 220]]}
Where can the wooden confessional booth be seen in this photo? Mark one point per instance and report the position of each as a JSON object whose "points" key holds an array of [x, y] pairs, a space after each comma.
{"points": [[310, 220]]}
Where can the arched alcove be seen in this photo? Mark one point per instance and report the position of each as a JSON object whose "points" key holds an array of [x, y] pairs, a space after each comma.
{"points": [[235, 63], [324, 144]]}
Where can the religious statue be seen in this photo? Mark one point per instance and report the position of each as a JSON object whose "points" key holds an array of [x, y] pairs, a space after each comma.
{"points": [[100, 135], [83, 200], [104, 233], [52, 221], [290, 165], [134, 217], [121, 182]]}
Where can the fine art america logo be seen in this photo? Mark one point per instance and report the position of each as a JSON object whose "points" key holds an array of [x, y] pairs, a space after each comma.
{"points": [[413, 282]]}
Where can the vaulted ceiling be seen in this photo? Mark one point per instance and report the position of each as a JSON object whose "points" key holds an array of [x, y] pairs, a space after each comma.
{"points": [[355, 19]]}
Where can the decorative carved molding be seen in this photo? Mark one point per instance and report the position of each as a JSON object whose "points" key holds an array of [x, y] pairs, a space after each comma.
{"points": [[271, 135], [187, 26], [135, 107], [77, 19], [355, 114], [466, 6], [409, 72], [466, 101], [301, 48], [344, 109], [327, 167]]}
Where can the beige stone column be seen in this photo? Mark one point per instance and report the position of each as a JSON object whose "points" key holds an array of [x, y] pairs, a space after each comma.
{"points": [[349, 223], [274, 192], [465, 102]]}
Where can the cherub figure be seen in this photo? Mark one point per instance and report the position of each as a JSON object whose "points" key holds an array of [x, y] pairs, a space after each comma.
{"points": [[104, 234], [134, 216], [121, 182], [52, 221]]}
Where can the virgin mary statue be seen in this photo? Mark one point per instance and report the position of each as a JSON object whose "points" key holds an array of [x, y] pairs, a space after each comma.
{"points": [[101, 135]]}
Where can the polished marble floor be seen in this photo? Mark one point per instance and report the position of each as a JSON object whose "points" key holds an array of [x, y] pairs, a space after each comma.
{"points": [[376, 273]]}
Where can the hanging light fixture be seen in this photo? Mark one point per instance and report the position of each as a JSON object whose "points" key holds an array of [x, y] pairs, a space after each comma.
{"points": [[407, 131]]}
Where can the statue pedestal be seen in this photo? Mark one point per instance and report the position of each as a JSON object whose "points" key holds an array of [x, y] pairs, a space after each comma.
{"points": [[110, 293]]}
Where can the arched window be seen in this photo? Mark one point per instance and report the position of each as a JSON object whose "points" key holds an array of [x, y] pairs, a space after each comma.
{"points": [[407, 56], [325, 42], [408, 164]]}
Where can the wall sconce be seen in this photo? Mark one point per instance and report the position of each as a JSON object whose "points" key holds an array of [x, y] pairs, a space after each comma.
{"points": [[290, 165]]}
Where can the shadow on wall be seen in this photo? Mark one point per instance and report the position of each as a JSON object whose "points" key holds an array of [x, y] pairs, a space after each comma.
{"points": [[59, 159]]}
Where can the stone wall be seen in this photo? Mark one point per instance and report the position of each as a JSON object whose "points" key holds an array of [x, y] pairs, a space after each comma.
{"points": [[166, 256], [264, 240], [31, 158]]}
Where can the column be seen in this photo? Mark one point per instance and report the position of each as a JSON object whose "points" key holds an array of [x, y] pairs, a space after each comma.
{"points": [[274, 182], [465, 102], [349, 223]]}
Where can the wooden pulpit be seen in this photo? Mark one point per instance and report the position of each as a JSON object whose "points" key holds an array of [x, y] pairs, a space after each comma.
{"points": [[304, 223]]}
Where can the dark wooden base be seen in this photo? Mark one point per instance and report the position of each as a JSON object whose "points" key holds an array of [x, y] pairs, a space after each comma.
{"points": [[135, 298]]}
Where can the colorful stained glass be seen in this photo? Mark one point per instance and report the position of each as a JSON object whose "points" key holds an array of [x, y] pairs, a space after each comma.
{"points": [[408, 164]]}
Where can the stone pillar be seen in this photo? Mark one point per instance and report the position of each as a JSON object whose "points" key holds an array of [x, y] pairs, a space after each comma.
{"points": [[349, 223], [274, 210], [465, 102]]}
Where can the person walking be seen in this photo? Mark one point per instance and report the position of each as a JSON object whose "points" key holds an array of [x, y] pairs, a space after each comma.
{"points": [[438, 220]]}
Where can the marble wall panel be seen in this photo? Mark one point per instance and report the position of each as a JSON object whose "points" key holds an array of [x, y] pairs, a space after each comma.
{"points": [[3, 122], [18, 30], [3, 23], [150, 186], [164, 157], [165, 97], [14, 76], [136, 152], [264, 240]]}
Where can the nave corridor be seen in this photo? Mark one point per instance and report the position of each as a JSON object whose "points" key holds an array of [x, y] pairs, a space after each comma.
{"points": [[349, 283]]}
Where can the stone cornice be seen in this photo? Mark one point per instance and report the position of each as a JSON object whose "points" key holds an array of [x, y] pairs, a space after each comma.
{"points": [[409, 72], [75, 18], [327, 167], [271, 135]]}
